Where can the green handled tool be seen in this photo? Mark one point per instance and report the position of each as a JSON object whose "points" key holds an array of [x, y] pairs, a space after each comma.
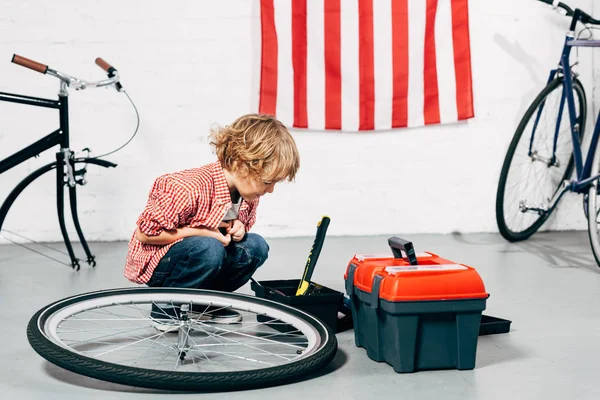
{"points": [[313, 256]]}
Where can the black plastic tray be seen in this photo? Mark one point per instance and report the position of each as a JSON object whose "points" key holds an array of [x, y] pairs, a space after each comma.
{"points": [[493, 325], [324, 305]]}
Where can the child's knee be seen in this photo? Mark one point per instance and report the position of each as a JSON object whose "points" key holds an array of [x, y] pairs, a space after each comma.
{"points": [[206, 248], [257, 246]]}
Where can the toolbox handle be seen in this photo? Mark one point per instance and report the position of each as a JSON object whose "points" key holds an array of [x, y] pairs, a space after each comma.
{"points": [[399, 245]]}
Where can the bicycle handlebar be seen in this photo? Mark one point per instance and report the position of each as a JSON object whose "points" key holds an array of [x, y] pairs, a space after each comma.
{"points": [[559, 4], [27, 63], [104, 65], [582, 15], [76, 83]]}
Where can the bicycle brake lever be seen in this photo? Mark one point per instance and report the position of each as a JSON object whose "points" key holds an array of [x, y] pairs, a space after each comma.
{"points": [[118, 85], [80, 173]]}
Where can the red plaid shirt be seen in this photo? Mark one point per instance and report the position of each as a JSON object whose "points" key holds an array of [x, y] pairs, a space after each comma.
{"points": [[196, 197]]}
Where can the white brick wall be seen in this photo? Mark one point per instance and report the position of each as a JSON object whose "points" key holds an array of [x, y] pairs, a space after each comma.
{"points": [[189, 64]]}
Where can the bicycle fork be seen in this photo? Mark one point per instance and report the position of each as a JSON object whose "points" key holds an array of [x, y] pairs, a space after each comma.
{"points": [[65, 160]]}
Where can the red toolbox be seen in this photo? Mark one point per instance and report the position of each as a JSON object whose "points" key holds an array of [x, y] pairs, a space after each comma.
{"points": [[416, 313]]}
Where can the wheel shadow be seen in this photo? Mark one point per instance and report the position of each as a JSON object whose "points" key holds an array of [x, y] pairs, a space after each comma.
{"points": [[556, 249], [560, 257], [71, 378], [74, 379]]}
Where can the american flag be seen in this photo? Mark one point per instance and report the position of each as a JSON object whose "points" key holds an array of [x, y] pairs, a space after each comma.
{"points": [[365, 64]]}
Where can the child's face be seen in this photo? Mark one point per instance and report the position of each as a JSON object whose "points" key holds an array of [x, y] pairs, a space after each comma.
{"points": [[251, 188]]}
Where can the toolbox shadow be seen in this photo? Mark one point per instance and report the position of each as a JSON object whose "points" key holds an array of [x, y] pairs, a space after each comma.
{"points": [[492, 351]]}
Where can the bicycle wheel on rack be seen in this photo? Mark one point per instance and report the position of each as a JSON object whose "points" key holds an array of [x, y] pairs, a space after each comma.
{"points": [[529, 179], [593, 208], [109, 335]]}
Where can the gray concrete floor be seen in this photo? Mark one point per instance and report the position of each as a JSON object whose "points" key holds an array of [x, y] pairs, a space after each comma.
{"points": [[549, 286]]}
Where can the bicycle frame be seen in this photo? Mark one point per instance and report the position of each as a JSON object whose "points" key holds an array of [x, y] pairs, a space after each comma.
{"points": [[583, 170], [64, 160], [58, 137]]}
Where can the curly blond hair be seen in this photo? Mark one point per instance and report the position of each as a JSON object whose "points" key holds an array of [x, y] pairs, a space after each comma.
{"points": [[258, 146]]}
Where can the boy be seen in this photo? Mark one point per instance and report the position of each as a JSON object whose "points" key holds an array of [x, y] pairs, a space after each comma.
{"points": [[193, 232]]}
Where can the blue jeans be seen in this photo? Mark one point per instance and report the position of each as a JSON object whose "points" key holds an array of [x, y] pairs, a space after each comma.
{"points": [[201, 262]]}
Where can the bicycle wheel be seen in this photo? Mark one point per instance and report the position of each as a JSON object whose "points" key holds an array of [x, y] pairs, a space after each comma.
{"points": [[593, 209], [109, 335], [529, 180]]}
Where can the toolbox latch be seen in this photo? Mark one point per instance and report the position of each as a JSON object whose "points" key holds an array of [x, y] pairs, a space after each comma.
{"points": [[350, 280], [375, 291]]}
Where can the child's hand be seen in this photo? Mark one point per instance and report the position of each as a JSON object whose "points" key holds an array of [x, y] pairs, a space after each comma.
{"points": [[225, 239], [224, 224], [237, 230]]}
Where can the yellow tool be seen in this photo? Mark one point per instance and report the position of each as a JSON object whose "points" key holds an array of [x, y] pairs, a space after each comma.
{"points": [[313, 255]]}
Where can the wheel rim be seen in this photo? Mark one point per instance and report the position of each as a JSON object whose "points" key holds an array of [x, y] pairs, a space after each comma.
{"points": [[593, 211], [530, 182], [593, 218], [117, 329]]}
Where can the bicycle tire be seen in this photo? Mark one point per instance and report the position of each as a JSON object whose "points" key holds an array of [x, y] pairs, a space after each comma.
{"points": [[592, 208], [58, 354], [21, 186], [534, 224]]}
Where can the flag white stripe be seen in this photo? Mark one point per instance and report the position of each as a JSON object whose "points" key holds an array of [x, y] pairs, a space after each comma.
{"points": [[315, 75], [285, 70], [256, 61], [416, 46], [444, 51], [349, 63], [382, 44]]}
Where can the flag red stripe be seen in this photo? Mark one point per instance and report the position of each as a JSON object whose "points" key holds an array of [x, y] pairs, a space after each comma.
{"points": [[333, 65], [462, 59], [268, 71], [431, 101], [400, 63], [299, 60], [366, 65]]}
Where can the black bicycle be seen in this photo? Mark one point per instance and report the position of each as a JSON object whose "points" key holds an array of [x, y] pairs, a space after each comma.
{"points": [[70, 170]]}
